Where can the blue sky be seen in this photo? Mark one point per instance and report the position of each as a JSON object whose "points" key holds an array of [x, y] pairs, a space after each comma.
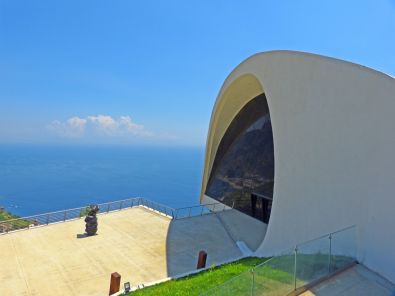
{"points": [[148, 72]]}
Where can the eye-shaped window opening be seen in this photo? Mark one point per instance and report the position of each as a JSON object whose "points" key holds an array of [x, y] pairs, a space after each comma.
{"points": [[242, 175]]}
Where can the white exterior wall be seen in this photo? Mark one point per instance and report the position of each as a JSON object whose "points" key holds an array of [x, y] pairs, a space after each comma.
{"points": [[334, 142]]}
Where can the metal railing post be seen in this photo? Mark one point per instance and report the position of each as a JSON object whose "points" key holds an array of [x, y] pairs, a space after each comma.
{"points": [[120, 205], [330, 253], [253, 282], [295, 266], [189, 214]]}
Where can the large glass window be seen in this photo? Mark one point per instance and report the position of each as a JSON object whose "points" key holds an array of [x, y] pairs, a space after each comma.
{"points": [[243, 170]]}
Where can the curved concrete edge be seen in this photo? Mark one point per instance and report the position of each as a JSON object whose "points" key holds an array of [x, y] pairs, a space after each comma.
{"points": [[332, 126]]}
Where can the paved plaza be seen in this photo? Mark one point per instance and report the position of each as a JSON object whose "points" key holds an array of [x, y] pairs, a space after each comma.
{"points": [[141, 245]]}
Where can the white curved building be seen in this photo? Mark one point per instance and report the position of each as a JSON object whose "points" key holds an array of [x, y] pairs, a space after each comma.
{"points": [[309, 142]]}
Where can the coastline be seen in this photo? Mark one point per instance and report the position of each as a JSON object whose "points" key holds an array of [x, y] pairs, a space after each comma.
{"points": [[7, 226]]}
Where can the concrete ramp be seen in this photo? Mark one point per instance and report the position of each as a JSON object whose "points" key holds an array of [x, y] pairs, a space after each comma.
{"points": [[186, 237], [244, 228]]}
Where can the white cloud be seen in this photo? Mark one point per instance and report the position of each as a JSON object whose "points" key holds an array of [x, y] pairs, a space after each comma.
{"points": [[76, 122], [99, 125], [104, 123], [72, 127], [126, 124]]}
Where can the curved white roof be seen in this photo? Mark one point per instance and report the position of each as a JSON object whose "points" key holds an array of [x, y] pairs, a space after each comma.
{"points": [[333, 128]]}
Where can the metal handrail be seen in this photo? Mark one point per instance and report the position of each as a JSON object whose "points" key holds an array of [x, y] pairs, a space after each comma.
{"points": [[200, 211], [198, 206], [147, 201], [48, 213], [77, 213], [62, 215]]}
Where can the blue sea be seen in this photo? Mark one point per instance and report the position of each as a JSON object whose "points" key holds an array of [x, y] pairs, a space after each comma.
{"points": [[39, 179]]}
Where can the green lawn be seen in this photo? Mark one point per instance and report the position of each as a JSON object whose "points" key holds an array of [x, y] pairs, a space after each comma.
{"points": [[198, 283], [272, 278]]}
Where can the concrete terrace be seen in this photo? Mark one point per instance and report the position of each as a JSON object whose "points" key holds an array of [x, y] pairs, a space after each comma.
{"points": [[357, 281], [137, 243]]}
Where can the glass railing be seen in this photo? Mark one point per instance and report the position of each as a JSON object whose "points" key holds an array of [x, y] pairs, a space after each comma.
{"points": [[295, 268], [238, 285], [275, 276]]}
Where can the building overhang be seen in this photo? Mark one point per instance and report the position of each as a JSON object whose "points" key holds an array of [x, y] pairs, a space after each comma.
{"points": [[334, 148]]}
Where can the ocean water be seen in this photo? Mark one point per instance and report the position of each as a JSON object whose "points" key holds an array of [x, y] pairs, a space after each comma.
{"points": [[39, 179]]}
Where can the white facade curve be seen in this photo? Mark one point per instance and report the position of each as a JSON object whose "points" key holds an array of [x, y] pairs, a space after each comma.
{"points": [[333, 125]]}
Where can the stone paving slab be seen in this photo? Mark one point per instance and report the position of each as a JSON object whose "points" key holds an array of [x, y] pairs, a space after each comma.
{"points": [[357, 281], [140, 245]]}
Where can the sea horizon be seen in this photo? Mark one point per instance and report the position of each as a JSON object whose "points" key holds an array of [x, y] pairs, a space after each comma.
{"points": [[39, 178]]}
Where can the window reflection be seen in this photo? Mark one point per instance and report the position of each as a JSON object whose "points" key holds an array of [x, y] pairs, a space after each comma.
{"points": [[243, 169]]}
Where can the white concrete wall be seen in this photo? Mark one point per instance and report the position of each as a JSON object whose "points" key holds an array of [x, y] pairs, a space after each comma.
{"points": [[334, 140]]}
